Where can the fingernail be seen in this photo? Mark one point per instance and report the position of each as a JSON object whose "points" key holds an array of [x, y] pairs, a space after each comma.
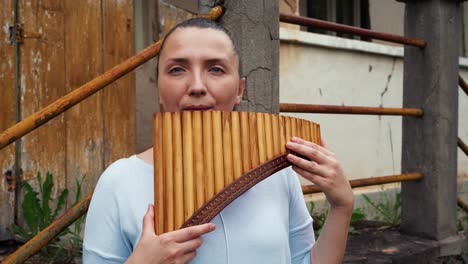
{"points": [[212, 226], [289, 144]]}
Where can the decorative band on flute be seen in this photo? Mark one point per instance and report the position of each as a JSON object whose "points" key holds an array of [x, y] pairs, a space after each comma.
{"points": [[205, 159]]}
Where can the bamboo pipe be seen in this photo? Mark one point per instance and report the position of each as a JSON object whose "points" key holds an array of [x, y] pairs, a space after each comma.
{"points": [[49, 233], [355, 110], [308, 189], [81, 93], [178, 171], [159, 175], [317, 23]]}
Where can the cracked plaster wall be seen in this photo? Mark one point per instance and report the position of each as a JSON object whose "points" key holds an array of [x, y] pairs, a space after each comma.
{"points": [[254, 26], [366, 145]]}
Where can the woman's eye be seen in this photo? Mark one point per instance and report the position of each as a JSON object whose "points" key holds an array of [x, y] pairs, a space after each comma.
{"points": [[216, 69], [176, 70]]}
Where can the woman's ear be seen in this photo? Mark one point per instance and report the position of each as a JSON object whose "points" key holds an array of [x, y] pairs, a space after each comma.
{"points": [[240, 91]]}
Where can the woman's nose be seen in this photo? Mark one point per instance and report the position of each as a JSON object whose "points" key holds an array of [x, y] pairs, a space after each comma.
{"points": [[197, 86]]}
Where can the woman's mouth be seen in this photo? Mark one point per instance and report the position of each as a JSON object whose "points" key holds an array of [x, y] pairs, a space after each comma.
{"points": [[197, 108]]}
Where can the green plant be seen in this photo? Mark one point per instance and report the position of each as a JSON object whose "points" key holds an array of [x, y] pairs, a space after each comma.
{"points": [[320, 217], [389, 210], [356, 216], [462, 220], [38, 214], [37, 211]]}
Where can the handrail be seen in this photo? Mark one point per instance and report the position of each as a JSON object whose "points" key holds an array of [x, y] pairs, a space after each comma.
{"points": [[62, 104], [354, 110], [308, 189], [317, 23], [50, 232], [462, 204], [462, 145], [462, 84]]}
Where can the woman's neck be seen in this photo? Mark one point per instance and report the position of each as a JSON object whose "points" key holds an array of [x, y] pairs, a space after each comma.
{"points": [[146, 156]]}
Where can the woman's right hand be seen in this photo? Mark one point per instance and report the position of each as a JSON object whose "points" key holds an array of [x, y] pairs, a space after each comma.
{"points": [[173, 247]]}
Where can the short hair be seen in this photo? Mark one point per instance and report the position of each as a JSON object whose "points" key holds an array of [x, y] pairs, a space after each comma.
{"points": [[200, 22]]}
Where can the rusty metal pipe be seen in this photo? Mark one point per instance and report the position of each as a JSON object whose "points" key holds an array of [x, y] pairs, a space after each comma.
{"points": [[462, 204], [308, 189], [355, 110], [76, 96], [317, 23], [463, 84], [49, 233], [462, 145]]}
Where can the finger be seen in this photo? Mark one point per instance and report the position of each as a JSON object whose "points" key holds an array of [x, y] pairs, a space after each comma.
{"points": [[191, 245], [311, 153], [314, 178], [188, 256], [192, 232], [322, 148], [310, 166], [148, 222]]}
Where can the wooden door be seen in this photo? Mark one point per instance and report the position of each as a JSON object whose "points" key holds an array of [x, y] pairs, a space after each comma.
{"points": [[69, 43]]}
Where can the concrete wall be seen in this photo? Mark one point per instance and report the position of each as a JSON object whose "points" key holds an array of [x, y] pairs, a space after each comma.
{"points": [[320, 69]]}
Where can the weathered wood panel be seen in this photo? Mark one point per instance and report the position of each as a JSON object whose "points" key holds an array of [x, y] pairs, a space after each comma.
{"points": [[170, 15], [119, 98], [7, 118], [84, 122], [42, 82]]}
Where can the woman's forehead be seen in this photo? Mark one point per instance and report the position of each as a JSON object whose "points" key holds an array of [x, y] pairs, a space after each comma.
{"points": [[198, 42]]}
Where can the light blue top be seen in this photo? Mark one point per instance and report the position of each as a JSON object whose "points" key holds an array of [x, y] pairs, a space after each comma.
{"points": [[267, 224]]}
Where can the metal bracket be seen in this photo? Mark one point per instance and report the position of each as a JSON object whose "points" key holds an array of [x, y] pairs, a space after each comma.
{"points": [[18, 34]]}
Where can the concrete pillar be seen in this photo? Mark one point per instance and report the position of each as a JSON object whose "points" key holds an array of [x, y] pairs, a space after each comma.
{"points": [[255, 28], [430, 143]]}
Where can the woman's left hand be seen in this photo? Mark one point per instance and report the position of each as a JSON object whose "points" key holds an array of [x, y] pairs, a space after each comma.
{"points": [[322, 169]]}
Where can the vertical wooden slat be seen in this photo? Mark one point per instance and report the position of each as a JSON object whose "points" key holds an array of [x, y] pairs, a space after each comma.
{"points": [[227, 148], [187, 143], [268, 136], [262, 152], [253, 140], [42, 81], [306, 127], [198, 158], [119, 98], [178, 170], [275, 122], [283, 134], [300, 133], [168, 152], [236, 144], [218, 151], [245, 142], [293, 127], [7, 119], [84, 122], [288, 122], [159, 194], [208, 150]]}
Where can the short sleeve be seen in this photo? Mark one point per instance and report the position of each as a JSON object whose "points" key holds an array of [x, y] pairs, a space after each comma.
{"points": [[103, 241], [301, 232]]}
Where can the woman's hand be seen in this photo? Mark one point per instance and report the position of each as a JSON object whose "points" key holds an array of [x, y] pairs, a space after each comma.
{"points": [[173, 247], [323, 169]]}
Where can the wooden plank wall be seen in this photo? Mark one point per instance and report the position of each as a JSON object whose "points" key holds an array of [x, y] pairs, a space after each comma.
{"points": [[79, 40], [7, 118]]}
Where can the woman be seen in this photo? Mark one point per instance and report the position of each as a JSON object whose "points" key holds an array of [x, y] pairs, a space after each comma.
{"points": [[198, 69]]}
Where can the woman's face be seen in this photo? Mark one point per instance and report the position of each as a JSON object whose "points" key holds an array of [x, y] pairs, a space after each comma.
{"points": [[198, 70]]}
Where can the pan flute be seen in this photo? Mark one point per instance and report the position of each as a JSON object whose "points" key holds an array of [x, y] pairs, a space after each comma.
{"points": [[205, 159]]}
